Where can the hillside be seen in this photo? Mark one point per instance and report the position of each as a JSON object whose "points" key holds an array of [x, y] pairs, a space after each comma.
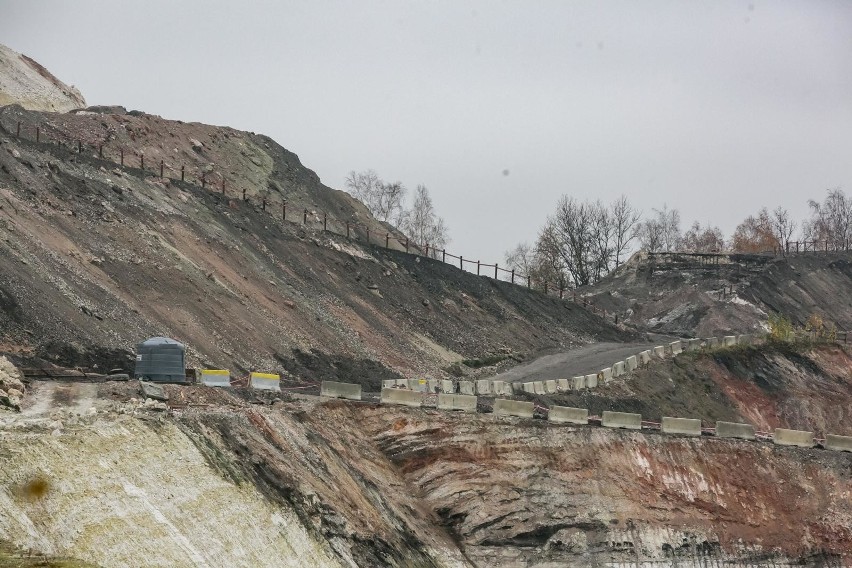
{"points": [[698, 296], [25, 82], [101, 257]]}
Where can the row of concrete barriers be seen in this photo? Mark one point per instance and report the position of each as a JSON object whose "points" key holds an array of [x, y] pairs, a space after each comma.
{"points": [[609, 419], [497, 388]]}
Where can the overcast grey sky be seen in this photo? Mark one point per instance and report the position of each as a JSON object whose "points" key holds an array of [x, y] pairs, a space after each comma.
{"points": [[715, 108]]}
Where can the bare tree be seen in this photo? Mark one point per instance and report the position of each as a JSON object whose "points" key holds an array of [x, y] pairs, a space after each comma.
{"points": [[422, 224], [384, 200], [783, 226], [830, 224], [521, 259], [662, 233], [755, 234], [625, 220], [703, 239], [669, 220], [650, 235]]}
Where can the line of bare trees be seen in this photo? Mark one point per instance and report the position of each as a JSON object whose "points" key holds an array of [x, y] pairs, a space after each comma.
{"points": [[581, 242], [386, 201]]}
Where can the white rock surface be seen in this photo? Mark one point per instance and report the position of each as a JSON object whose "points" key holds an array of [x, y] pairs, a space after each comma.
{"points": [[25, 82]]}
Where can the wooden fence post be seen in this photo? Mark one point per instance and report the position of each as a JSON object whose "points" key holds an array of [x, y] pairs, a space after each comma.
{"points": [[18, 131], [305, 217], [38, 133], [80, 147], [161, 169], [513, 276], [101, 151], [443, 255], [461, 262], [495, 271], [387, 240], [142, 161], [477, 268]]}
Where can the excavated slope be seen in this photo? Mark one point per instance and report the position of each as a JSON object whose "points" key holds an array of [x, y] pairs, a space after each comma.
{"points": [[689, 296], [25, 82], [97, 258], [227, 483]]}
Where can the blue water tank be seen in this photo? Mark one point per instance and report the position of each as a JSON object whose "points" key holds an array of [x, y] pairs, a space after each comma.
{"points": [[161, 359]]}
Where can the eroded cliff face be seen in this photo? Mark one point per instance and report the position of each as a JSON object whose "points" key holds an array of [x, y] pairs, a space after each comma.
{"points": [[523, 493], [227, 479]]}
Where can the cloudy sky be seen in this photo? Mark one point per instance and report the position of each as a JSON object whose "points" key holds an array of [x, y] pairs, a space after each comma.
{"points": [[714, 108]]}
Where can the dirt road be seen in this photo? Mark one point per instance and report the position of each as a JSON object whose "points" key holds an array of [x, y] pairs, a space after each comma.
{"points": [[588, 359]]}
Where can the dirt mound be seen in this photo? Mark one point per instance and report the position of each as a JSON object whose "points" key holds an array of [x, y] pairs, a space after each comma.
{"points": [[25, 82], [702, 296]]}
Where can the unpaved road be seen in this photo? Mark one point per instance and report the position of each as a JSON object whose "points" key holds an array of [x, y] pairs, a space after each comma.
{"points": [[588, 359]]}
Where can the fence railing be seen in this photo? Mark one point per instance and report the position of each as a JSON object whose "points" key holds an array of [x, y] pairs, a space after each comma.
{"points": [[133, 161]]}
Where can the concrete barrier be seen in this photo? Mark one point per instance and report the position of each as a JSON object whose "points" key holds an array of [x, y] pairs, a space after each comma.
{"points": [[729, 340], [215, 377], [618, 369], [402, 383], [404, 397], [676, 347], [734, 430], [461, 402], [744, 340], [483, 386], [568, 415], [501, 388], [659, 352], [550, 386], [838, 443], [447, 386], [265, 381], [505, 407], [563, 385], [711, 342], [632, 363], [538, 387], [433, 386], [417, 385], [389, 383], [579, 383], [529, 387], [466, 387], [621, 420], [605, 375], [340, 390], [591, 381], [644, 358], [785, 437], [685, 426]]}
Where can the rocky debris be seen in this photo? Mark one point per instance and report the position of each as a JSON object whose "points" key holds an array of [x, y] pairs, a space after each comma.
{"points": [[11, 385]]}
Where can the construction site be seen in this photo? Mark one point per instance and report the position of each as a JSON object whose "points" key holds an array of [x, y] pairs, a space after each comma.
{"points": [[210, 358]]}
